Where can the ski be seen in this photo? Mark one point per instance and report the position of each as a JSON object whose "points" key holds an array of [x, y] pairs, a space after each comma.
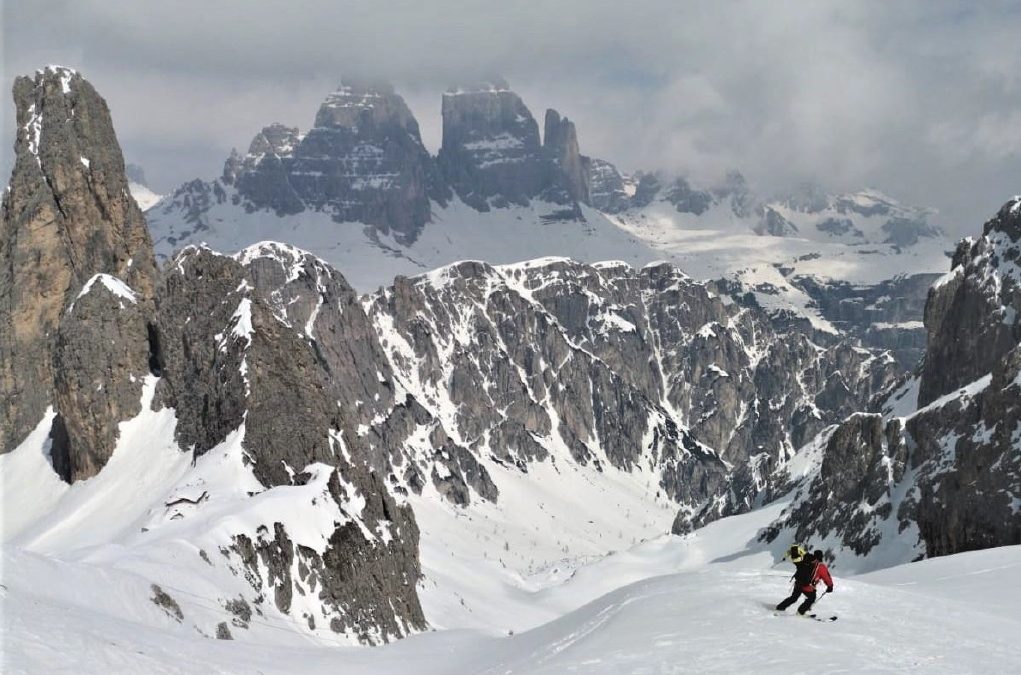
{"points": [[814, 617]]}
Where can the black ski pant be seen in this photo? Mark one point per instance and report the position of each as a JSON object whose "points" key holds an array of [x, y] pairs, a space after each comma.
{"points": [[803, 607]]}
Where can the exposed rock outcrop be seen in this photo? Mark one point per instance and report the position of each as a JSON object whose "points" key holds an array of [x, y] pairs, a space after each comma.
{"points": [[886, 315], [101, 357], [941, 469], [774, 224], [619, 367], [363, 161], [491, 154], [67, 215], [972, 315], [569, 182], [607, 191], [275, 343]]}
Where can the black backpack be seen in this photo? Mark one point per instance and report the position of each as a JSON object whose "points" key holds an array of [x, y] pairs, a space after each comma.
{"points": [[803, 572]]}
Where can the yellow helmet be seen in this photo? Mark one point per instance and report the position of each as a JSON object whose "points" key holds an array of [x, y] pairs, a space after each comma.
{"points": [[796, 553]]}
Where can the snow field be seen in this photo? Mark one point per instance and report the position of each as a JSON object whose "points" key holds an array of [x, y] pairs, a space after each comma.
{"points": [[711, 613]]}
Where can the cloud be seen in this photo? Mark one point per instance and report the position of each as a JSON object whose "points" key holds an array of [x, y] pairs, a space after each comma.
{"points": [[917, 97]]}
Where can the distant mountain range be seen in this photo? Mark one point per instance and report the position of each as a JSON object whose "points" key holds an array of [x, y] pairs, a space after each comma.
{"points": [[499, 191], [360, 190]]}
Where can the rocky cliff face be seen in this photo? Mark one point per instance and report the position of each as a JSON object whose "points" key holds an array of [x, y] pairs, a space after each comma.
{"points": [[569, 179], [267, 359], [972, 315], [67, 215], [101, 355], [607, 189], [887, 315], [618, 367], [363, 161], [491, 153], [275, 343], [941, 468]]}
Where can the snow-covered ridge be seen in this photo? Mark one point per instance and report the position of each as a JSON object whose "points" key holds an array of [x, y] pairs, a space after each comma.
{"points": [[112, 284], [290, 257]]}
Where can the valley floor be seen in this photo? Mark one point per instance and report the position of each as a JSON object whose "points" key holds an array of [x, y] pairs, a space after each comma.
{"points": [[702, 603]]}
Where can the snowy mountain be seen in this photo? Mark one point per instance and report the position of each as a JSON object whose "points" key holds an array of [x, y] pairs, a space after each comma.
{"points": [[241, 446], [938, 470], [530, 197], [360, 191]]}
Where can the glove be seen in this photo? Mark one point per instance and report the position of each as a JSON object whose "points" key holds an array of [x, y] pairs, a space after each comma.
{"points": [[829, 589]]}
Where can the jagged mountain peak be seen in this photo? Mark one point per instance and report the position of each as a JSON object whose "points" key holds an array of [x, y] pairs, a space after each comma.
{"points": [[64, 74], [1007, 221], [278, 139]]}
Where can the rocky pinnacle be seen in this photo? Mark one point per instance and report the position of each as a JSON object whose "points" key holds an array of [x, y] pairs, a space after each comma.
{"points": [[67, 216]]}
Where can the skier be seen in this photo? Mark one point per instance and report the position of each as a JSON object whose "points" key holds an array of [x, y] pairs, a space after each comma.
{"points": [[809, 571]]}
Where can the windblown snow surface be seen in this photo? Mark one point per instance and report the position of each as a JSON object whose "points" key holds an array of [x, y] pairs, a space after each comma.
{"points": [[570, 572]]}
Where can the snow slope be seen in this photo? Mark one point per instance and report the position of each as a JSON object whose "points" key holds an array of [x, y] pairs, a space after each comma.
{"points": [[155, 516], [549, 582], [697, 604], [714, 245], [145, 197]]}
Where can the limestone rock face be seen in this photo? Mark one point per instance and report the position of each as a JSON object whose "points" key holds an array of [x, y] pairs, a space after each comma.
{"points": [[886, 315], [261, 175], [67, 215], [100, 357], [491, 154], [569, 182], [972, 313], [631, 368], [687, 199], [775, 225], [274, 342], [363, 161], [606, 187]]}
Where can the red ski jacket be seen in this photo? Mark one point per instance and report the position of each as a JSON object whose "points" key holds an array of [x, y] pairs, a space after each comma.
{"points": [[821, 573]]}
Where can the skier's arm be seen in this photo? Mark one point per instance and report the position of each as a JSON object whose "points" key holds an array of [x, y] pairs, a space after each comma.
{"points": [[824, 576]]}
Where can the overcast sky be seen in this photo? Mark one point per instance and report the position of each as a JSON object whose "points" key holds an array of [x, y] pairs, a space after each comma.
{"points": [[919, 98]]}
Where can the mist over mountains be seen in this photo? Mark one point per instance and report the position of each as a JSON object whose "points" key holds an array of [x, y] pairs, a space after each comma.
{"points": [[914, 99]]}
